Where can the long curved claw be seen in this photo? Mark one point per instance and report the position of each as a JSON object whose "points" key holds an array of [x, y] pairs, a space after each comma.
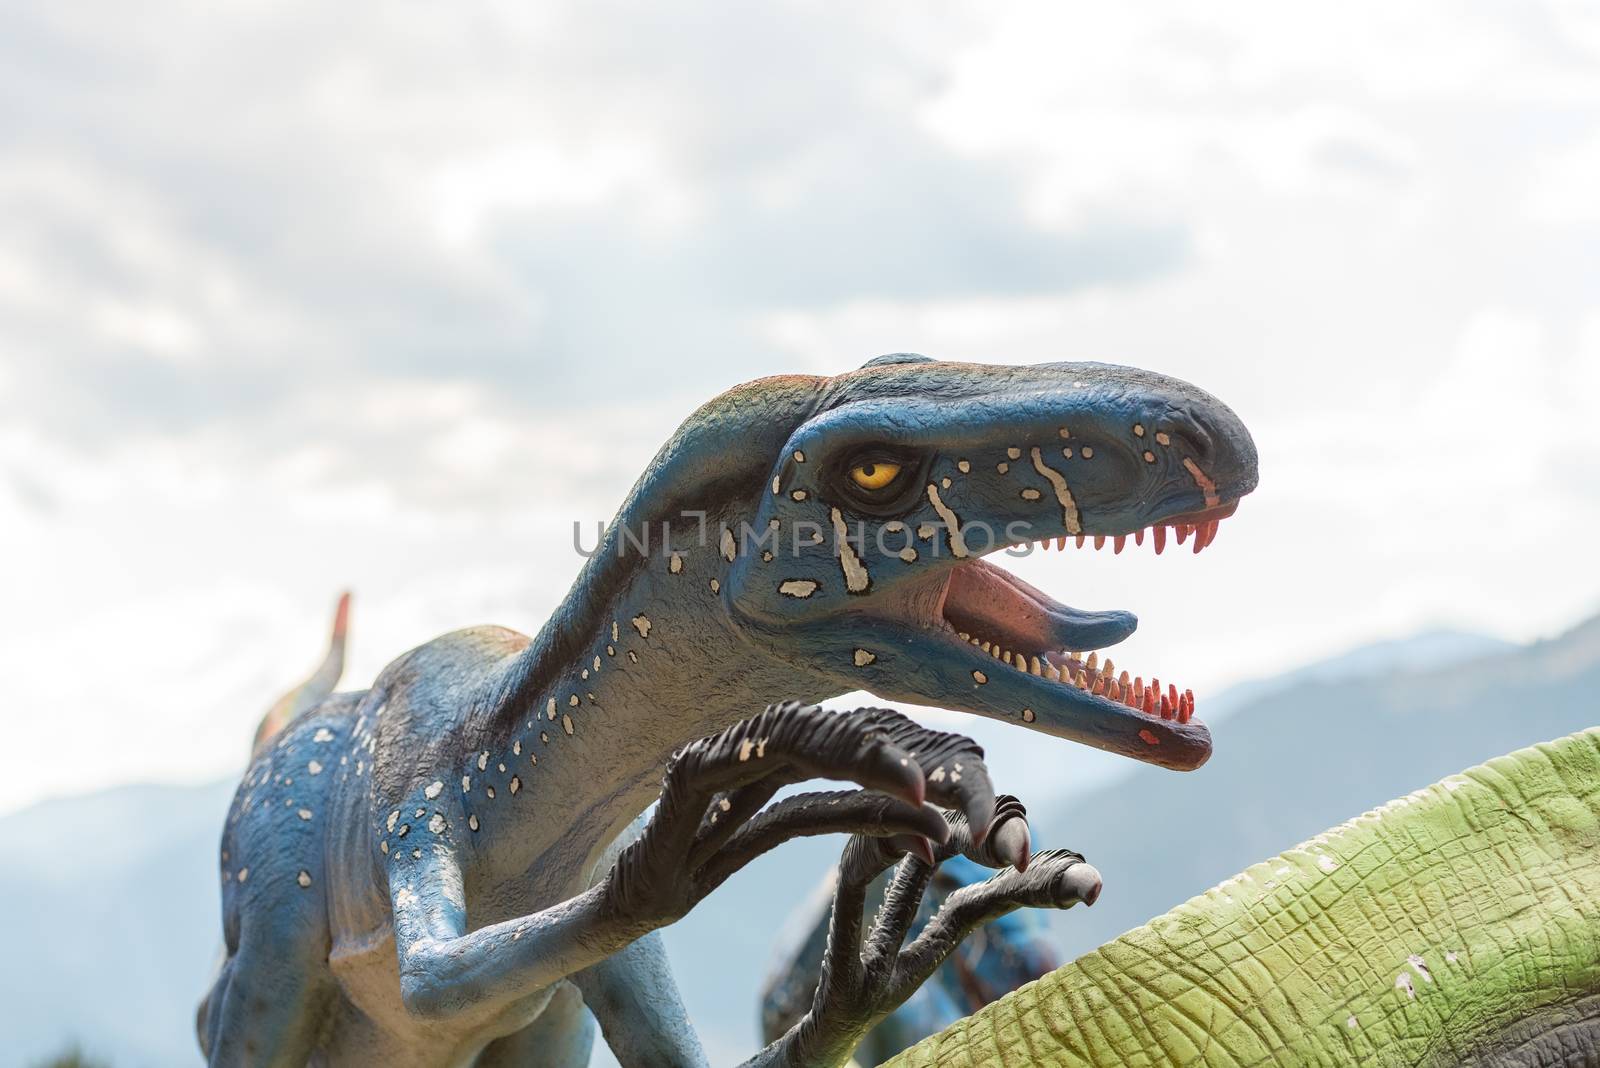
{"points": [[1012, 844]]}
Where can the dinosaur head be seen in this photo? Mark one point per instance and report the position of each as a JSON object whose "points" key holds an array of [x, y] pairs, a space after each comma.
{"points": [[863, 559]]}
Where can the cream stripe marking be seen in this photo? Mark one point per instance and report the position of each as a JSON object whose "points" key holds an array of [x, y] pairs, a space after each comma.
{"points": [[856, 578], [958, 545], [1069, 507], [1208, 487]]}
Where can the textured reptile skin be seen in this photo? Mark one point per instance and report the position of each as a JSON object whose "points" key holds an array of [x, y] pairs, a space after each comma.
{"points": [[1457, 925]]}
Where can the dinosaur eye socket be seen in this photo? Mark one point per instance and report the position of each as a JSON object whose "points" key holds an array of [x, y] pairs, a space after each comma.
{"points": [[874, 474]]}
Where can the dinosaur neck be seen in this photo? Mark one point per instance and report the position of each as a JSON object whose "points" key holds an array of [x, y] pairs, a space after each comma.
{"points": [[638, 660]]}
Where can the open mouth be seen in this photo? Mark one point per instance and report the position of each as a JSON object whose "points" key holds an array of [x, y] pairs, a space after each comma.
{"points": [[1012, 628]]}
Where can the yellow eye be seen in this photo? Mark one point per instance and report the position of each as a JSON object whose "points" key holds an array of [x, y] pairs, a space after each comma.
{"points": [[875, 474]]}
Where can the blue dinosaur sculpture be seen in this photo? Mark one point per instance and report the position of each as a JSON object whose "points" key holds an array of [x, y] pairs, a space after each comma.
{"points": [[449, 868]]}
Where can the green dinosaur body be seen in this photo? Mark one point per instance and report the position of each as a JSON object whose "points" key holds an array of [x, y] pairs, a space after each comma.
{"points": [[1457, 925]]}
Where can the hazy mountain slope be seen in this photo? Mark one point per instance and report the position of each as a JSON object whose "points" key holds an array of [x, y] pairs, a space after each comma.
{"points": [[1297, 761], [113, 902]]}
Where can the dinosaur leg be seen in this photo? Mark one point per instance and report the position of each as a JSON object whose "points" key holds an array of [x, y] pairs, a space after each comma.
{"points": [[266, 1008], [863, 981], [634, 997], [562, 1037], [705, 828]]}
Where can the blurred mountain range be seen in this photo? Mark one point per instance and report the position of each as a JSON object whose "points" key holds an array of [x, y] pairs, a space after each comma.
{"points": [[113, 896]]}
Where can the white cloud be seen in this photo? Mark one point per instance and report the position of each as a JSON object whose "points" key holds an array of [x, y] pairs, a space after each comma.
{"points": [[292, 300]]}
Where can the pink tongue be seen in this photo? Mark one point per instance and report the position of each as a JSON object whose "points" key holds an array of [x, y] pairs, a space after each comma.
{"points": [[983, 600]]}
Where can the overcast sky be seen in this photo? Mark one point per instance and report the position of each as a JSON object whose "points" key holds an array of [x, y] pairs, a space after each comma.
{"points": [[295, 296]]}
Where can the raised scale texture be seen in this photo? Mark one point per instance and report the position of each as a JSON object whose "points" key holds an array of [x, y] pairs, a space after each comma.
{"points": [[1457, 925]]}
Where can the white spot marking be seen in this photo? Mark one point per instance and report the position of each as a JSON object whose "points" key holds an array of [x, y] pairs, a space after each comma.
{"points": [[744, 750], [863, 658], [641, 623], [1327, 863], [856, 578], [675, 565], [952, 524], [1403, 982], [729, 549], [304, 813], [797, 587], [304, 879], [1069, 507], [314, 768], [433, 790], [566, 723], [483, 760], [472, 821], [323, 735]]}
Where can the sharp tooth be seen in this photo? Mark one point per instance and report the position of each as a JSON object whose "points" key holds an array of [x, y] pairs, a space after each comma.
{"points": [[1117, 544], [1061, 543], [1051, 673], [1149, 702], [1099, 686], [1167, 711], [1108, 669], [1172, 693], [1033, 665], [1159, 535], [1005, 656], [964, 636], [1099, 541], [1080, 541], [996, 651], [975, 641], [1094, 661], [1114, 692], [1138, 536], [1199, 538], [1183, 531], [985, 647], [1123, 680], [1082, 681]]}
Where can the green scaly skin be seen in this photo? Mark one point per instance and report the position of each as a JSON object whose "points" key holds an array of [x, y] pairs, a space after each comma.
{"points": [[1458, 925]]}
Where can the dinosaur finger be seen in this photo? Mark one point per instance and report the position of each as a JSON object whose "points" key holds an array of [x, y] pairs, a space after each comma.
{"points": [[898, 826]]}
